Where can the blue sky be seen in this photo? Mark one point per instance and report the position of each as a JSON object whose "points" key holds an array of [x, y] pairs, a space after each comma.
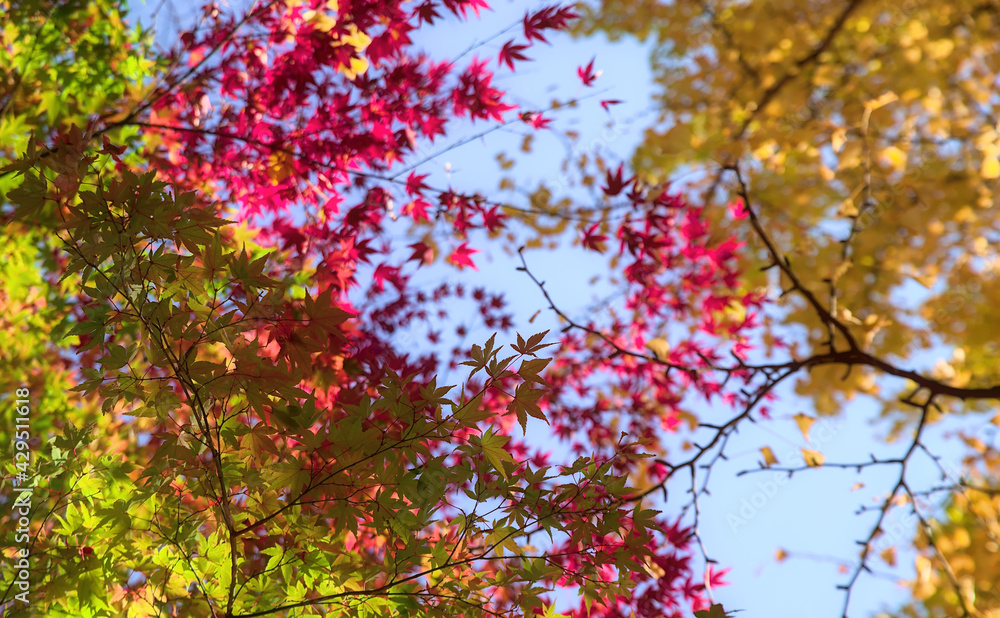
{"points": [[746, 519]]}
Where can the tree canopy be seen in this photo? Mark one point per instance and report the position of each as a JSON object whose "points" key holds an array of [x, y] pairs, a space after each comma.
{"points": [[210, 413], [233, 393]]}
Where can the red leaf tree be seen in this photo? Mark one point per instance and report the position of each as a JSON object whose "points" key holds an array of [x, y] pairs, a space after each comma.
{"points": [[302, 120]]}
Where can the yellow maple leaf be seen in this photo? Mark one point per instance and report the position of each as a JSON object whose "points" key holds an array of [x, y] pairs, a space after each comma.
{"points": [[990, 168], [894, 157], [659, 347], [805, 422], [359, 41], [814, 459], [282, 165]]}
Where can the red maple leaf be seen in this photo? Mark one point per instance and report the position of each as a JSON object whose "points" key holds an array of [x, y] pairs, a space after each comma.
{"points": [[425, 11], [592, 240], [109, 149], [493, 219], [548, 18], [417, 209], [510, 52], [415, 184], [422, 252], [464, 5], [532, 28], [536, 120], [461, 256], [432, 126], [615, 182], [385, 272], [587, 74]]}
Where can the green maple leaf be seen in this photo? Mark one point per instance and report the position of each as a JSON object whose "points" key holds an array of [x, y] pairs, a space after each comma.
{"points": [[716, 611], [492, 446]]}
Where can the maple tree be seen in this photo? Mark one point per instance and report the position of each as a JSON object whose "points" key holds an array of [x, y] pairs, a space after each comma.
{"points": [[202, 287], [861, 136], [211, 296]]}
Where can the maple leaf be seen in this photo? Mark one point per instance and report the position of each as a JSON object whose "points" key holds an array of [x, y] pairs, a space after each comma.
{"points": [[532, 28], [525, 403], [615, 183], [738, 210], [716, 611], [536, 120], [326, 313], [587, 75], [461, 256], [714, 578], [547, 18], [292, 235], [385, 272], [461, 6], [492, 446], [432, 126], [417, 209], [493, 219], [510, 52], [422, 252], [813, 458], [415, 184], [592, 240], [426, 12], [407, 138], [109, 149]]}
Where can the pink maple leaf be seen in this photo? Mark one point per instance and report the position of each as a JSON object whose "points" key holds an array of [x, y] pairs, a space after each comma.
{"points": [[713, 579], [536, 120], [462, 256], [738, 210], [587, 74]]}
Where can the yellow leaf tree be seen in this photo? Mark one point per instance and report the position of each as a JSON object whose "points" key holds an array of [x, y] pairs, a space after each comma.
{"points": [[873, 123], [863, 136], [959, 552]]}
